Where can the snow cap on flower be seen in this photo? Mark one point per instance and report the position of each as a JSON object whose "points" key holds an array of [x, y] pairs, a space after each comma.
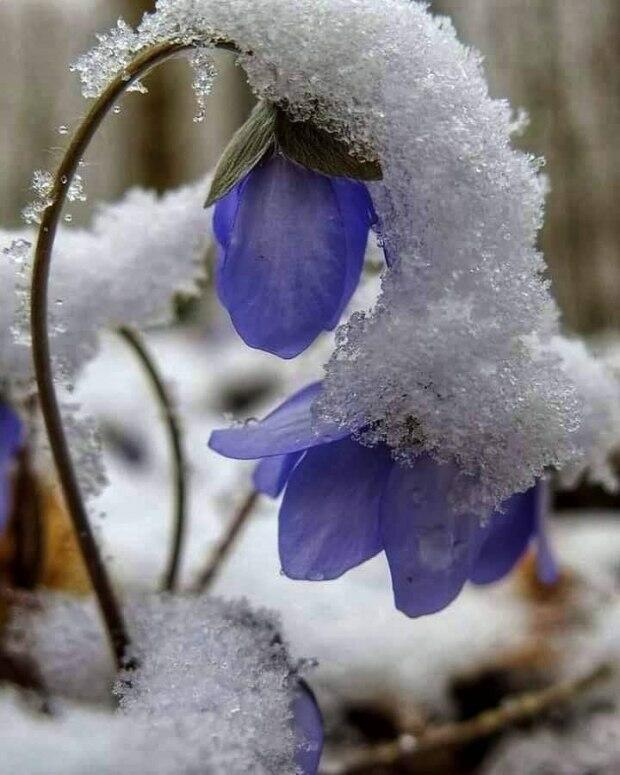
{"points": [[443, 363]]}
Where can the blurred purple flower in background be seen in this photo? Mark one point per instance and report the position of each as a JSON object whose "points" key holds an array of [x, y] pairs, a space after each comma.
{"points": [[308, 730], [10, 440], [345, 502], [291, 251]]}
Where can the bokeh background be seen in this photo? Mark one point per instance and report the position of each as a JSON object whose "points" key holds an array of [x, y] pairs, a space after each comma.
{"points": [[558, 59]]}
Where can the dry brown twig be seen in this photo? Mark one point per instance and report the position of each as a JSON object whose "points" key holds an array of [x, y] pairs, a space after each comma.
{"points": [[224, 547], [513, 710]]}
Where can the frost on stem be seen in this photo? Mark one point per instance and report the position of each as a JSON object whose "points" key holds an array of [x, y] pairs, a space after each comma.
{"points": [[444, 362], [213, 693], [42, 185]]}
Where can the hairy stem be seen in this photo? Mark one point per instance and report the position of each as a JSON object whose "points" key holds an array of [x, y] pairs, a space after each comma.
{"points": [[102, 587], [168, 412], [513, 710], [222, 550]]}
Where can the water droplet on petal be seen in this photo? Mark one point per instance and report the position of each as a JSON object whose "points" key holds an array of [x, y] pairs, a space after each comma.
{"points": [[436, 546]]}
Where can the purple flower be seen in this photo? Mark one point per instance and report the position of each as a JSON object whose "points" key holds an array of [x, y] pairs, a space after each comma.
{"points": [[345, 502], [292, 245], [10, 440], [308, 724]]}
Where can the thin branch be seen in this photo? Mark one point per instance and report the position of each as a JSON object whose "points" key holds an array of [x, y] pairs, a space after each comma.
{"points": [[102, 587], [513, 710], [133, 340], [222, 550]]}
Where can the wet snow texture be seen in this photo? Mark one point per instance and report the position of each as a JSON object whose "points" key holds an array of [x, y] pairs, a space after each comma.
{"points": [[212, 694], [444, 361]]}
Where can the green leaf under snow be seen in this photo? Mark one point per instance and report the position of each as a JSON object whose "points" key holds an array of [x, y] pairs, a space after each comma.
{"points": [[315, 148], [246, 149]]}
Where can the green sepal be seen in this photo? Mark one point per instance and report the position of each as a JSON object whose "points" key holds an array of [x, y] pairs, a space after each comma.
{"points": [[316, 149], [303, 142], [246, 149]]}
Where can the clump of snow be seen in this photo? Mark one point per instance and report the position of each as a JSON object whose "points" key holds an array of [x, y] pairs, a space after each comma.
{"points": [[217, 675], [598, 436], [125, 269], [212, 693], [443, 361]]}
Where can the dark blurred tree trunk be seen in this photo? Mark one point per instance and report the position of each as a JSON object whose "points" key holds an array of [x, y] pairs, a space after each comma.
{"points": [[560, 59]]}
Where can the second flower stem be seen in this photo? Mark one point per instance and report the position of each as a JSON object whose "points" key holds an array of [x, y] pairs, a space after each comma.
{"points": [[135, 342]]}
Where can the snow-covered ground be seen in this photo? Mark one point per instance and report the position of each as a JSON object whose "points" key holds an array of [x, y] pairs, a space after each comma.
{"points": [[365, 649], [367, 653]]}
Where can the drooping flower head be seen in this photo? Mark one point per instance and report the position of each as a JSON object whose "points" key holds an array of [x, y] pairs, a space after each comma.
{"points": [[344, 503], [444, 360], [291, 238], [10, 440], [292, 245]]}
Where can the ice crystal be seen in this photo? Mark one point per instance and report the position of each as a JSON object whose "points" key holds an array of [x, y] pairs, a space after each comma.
{"points": [[444, 361], [15, 255], [42, 185], [76, 191], [114, 52], [205, 74]]}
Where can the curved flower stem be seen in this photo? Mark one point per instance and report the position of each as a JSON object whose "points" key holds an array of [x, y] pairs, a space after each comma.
{"points": [[134, 341], [222, 550], [102, 587], [513, 710]]}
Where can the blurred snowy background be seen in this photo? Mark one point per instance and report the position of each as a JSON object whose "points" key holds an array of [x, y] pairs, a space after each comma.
{"points": [[379, 675]]}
